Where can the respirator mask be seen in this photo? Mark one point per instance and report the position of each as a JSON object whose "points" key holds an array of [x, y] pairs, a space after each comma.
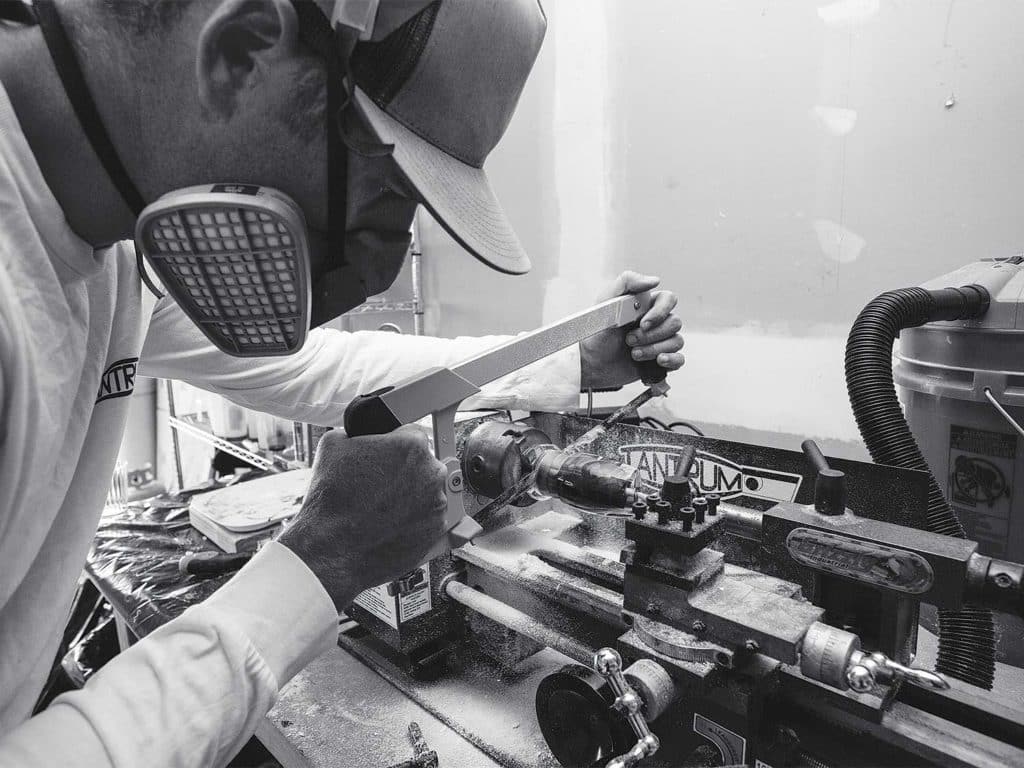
{"points": [[238, 258]]}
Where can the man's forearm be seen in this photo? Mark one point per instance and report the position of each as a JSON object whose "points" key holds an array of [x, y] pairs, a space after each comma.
{"points": [[316, 383], [193, 692]]}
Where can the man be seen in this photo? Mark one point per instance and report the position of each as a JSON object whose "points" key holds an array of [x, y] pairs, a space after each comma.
{"points": [[229, 90]]}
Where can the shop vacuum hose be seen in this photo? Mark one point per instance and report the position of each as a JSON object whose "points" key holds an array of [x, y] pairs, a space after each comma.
{"points": [[967, 636]]}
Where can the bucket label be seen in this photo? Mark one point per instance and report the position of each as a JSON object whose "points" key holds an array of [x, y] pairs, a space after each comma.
{"points": [[981, 469], [710, 473]]}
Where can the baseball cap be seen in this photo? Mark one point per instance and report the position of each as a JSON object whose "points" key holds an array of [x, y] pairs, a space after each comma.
{"points": [[441, 88]]}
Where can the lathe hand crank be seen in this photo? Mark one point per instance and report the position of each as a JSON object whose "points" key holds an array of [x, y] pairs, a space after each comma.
{"points": [[608, 664]]}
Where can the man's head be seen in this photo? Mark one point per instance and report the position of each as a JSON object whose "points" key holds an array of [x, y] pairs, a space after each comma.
{"points": [[238, 90], [216, 90]]}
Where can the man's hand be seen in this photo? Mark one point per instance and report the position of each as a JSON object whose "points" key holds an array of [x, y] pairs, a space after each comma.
{"points": [[374, 508], [608, 358]]}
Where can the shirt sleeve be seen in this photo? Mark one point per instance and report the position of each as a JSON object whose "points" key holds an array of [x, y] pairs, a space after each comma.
{"points": [[316, 383], [191, 693]]}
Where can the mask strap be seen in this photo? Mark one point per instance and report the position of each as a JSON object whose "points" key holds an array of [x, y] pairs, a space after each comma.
{"points": [[335, 47], [78, 94], [77, 91]]}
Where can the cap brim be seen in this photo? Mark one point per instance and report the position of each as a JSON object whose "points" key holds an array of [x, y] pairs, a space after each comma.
{"points": [[458, 195]]}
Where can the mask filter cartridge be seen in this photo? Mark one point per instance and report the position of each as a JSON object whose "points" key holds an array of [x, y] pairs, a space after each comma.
{"points": [[236, 259]]}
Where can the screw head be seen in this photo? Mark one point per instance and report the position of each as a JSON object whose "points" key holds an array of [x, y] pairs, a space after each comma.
{"points": [[1003, 580], [699, 626], [455, 481], [860, 679], [752, 645]]}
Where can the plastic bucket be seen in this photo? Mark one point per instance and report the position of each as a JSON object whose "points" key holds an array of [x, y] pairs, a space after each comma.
{"points": [[946, 376]]}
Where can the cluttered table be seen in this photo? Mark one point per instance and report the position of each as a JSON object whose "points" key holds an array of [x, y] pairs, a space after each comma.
{"points": [[336, 712]]}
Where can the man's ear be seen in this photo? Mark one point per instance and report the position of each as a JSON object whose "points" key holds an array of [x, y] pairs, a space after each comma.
{"points": [[237, 44]]}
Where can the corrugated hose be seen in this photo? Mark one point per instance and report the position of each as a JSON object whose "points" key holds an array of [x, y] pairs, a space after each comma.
{"points": [[967, 636]]}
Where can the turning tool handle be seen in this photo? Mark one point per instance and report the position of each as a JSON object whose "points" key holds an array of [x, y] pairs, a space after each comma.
{"points": [[368, 415], [651, 372]]}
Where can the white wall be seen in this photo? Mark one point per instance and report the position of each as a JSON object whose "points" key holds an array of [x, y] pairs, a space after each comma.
{"points": [[779, 163]]}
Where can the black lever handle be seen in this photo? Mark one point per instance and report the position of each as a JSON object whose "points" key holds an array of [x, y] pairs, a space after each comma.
{"points": [[369, 415], [686, 457], [814, 455]]}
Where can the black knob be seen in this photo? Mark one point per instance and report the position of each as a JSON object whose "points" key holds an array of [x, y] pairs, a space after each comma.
{"points": [[713, 499], [687, 514], [664, 510], [830, 492], [700, 508], [639, 509], [676, 490]]}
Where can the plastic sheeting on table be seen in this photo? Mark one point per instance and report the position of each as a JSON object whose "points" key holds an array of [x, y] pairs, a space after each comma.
{"points": [[134, 562]]}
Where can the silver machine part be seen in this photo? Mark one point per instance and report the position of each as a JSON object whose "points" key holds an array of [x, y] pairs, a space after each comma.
{"points": [[826, 654], [608, 664], [833, 656], [655, 686], [516, 620], [680, 645], [871, 669]]}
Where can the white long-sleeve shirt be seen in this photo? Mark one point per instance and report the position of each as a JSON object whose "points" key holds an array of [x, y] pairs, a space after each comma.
{"points": [[76, 327]]}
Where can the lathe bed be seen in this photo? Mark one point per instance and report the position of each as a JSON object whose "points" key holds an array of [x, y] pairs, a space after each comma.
{"points": [[559, 574]]}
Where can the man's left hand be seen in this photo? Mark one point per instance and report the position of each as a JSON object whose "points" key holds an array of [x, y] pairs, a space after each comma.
{"points": [[609, 358]]}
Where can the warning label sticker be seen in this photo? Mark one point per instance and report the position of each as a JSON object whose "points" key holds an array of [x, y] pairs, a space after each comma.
{"points": [[732, 746], [417, 602], [399, 601], [378, 602], [981, 469]]}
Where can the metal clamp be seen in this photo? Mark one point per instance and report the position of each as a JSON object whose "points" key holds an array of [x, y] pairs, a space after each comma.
{"points": [[608, 664]]}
